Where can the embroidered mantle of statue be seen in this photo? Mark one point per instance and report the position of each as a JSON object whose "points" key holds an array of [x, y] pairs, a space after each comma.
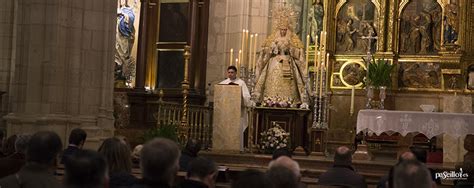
{"points": [[281, 66]]}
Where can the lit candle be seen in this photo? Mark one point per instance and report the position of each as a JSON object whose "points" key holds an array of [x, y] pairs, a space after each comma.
{"points": [[321, 79], [240, 60], [316, 46], [242, 45], [307, 53], [254, 65], [327, 70], [352, 100], [249, 66], [317, 60], [245, 49], [237, 62], [231, 56]]}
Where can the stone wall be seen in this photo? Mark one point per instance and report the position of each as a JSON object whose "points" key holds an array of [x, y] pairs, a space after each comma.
{"points": [[62, 76]]}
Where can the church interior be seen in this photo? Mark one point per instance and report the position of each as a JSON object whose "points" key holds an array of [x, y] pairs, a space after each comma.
{"points": [[380, 77]]}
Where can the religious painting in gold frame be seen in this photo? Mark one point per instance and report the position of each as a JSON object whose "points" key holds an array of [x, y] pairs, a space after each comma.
{"points": [[350, 73], [420, 28], [452, 79], [418, 76], [356, 19]]}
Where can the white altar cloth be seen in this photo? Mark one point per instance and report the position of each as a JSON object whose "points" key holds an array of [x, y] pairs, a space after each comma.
{"points": [[428, 123]]}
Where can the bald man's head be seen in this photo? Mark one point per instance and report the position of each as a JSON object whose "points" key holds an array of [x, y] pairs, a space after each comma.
{"points": [[407, 156], [343, 156], [287, 162]]}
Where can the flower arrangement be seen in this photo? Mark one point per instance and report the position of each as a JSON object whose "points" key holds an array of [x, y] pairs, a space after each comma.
{"points": [[274, 138], [279, 102]]}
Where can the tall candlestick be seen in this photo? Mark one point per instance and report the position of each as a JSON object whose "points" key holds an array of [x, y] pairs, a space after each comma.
{"points": [[317, 60], [316, 46], [249, 66], [231, 55]]}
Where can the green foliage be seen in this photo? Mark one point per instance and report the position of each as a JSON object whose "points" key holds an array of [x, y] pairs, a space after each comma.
{"points": [[169, 131], [379, 73]]}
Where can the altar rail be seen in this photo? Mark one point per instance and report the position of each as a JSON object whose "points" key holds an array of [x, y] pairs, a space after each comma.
{"points": [[199, 119]]}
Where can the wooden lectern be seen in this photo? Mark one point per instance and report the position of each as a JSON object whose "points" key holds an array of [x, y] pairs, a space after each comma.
{"points": [[226, 122]]}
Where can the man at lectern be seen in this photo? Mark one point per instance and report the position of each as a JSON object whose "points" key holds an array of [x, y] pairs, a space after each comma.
{"points": [[233, 80]]}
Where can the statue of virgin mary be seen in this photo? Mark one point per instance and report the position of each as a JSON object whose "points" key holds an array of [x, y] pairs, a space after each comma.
{"points": [[281, 71]]}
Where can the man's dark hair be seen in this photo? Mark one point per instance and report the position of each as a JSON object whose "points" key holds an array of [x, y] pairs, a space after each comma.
{"points": [[419, 153], [85, 169], [193, 146], [232, 67], [281, 152], [159, 160], [411, 174], [282, 177], [343, 156], [43, 147], [77, 136], [201, 167], [251, 179]]}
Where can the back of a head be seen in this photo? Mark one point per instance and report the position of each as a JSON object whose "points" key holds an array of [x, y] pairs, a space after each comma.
{"points": [[159, 160], [343, 156], [21, 143], [411, 174], [419, 153], [85, 169], [9, 145], [193, 146], [281, 152], [251, 179], [201, 167], [282, 177], [288, 163], [43, 147], [77, 136], [118, 155]]}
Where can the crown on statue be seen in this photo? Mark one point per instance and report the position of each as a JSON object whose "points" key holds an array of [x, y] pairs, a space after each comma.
{"points": [[284, 18]]}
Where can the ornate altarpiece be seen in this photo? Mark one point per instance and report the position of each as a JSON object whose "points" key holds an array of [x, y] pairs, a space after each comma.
{"points": [[427, 40]]}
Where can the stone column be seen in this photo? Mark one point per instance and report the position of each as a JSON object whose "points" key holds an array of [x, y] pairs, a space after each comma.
{"points": [[6, 35], [63, 67]]}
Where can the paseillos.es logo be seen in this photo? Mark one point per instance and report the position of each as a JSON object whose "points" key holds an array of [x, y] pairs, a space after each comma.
{"points": [[452, 175]]}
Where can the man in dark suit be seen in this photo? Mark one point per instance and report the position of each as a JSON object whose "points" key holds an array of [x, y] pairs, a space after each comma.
{"points": [[342, 173], [201, 174], [76, 142], [159, 162], [38, 172]]}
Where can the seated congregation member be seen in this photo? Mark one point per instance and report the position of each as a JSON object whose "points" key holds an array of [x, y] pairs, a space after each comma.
{"points": [[41, 157], [189, 153], [282, 177], [342, 173], [9, 146], [412, 174], [85, 169], [291, 165], [77, 138], [136, 153], [159, 162], [118, 156], [14, 162], [251, 179], [201, 174], [386, 180]]}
